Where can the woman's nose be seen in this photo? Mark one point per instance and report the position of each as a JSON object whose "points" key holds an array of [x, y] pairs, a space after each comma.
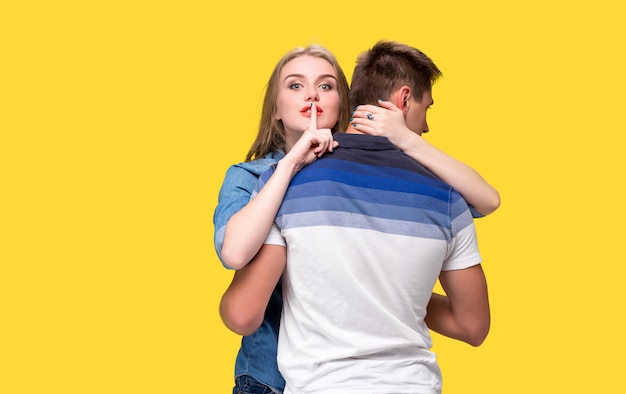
{"points": [[311, 95]]}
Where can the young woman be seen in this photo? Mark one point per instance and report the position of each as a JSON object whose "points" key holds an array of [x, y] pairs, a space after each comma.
{"points": [[307, 90], [313, 93]]}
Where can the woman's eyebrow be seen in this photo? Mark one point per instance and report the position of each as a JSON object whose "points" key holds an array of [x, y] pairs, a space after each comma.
{"points": [[293, 76], [302, 76]]}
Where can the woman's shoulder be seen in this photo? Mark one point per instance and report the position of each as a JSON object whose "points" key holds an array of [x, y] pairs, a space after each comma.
{"points": [[257, 166]]}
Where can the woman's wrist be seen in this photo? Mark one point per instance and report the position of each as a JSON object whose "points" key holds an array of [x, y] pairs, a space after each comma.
{"points": [[286, 166], [411, 144]]}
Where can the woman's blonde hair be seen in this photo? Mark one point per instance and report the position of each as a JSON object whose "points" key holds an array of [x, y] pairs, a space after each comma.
{"points": [[271, 136]]}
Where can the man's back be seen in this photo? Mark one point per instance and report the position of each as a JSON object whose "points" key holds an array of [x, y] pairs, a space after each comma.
{"points": [[368, 231]]}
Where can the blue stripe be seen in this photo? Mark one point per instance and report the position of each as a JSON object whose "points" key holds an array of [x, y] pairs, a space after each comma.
{"points": [[334, 189], [461, 216], [352, 220], [414, 208], [378, 177]]}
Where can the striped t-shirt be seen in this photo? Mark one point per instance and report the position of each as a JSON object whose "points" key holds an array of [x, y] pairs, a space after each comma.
{"points": [[367, 231]]}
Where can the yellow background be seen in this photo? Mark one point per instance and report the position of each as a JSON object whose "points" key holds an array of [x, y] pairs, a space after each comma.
{"points": [[118, 120]]}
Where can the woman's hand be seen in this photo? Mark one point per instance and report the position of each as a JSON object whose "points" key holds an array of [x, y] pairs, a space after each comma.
{"points": [[311, 145], [385, 120]]}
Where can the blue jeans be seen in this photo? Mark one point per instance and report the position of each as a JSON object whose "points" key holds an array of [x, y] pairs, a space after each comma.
{"points": [[246, 384]]}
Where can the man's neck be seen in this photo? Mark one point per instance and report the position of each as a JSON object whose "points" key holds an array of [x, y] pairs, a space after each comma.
{"points": [[352, 130]]}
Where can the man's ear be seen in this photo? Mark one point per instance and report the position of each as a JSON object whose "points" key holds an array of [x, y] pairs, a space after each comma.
{"points": [[404, 94]]}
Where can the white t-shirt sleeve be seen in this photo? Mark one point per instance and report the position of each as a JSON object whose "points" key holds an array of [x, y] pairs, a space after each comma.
{"points": [[463, 250], [275, 237]]}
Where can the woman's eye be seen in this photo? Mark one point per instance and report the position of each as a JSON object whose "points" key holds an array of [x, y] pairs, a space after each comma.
{"points": [[295, 86], [326, 86]]}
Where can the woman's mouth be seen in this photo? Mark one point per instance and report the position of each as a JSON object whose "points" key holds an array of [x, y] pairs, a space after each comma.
{"points": [[307, 110]]}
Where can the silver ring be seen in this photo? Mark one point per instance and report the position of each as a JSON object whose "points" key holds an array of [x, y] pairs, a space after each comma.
{"points": [[370, 116]]}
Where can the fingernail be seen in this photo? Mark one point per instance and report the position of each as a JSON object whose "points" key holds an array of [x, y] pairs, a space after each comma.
{"points": [[351, 119]]}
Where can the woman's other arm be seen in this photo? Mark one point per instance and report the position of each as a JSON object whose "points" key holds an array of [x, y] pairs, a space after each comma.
{"points": [[391, 124]]}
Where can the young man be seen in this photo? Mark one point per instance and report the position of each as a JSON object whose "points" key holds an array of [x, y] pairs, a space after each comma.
{"points": [[366, 232]]}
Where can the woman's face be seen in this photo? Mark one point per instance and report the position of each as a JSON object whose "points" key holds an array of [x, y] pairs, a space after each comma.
{"points": [[305, 80]]}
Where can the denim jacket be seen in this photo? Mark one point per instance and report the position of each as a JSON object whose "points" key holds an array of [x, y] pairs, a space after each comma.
{"points": [[257, 355]]}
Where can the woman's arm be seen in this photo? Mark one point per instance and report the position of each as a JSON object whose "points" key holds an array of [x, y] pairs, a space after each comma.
{"points": [[391, 124], [247, 229], [243, 304]]}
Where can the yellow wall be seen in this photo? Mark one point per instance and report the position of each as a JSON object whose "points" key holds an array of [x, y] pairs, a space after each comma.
{"points": [[118, 120]]}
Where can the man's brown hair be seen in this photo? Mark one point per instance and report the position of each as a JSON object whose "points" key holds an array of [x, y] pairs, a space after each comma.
{"points": [[387, 66]]}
